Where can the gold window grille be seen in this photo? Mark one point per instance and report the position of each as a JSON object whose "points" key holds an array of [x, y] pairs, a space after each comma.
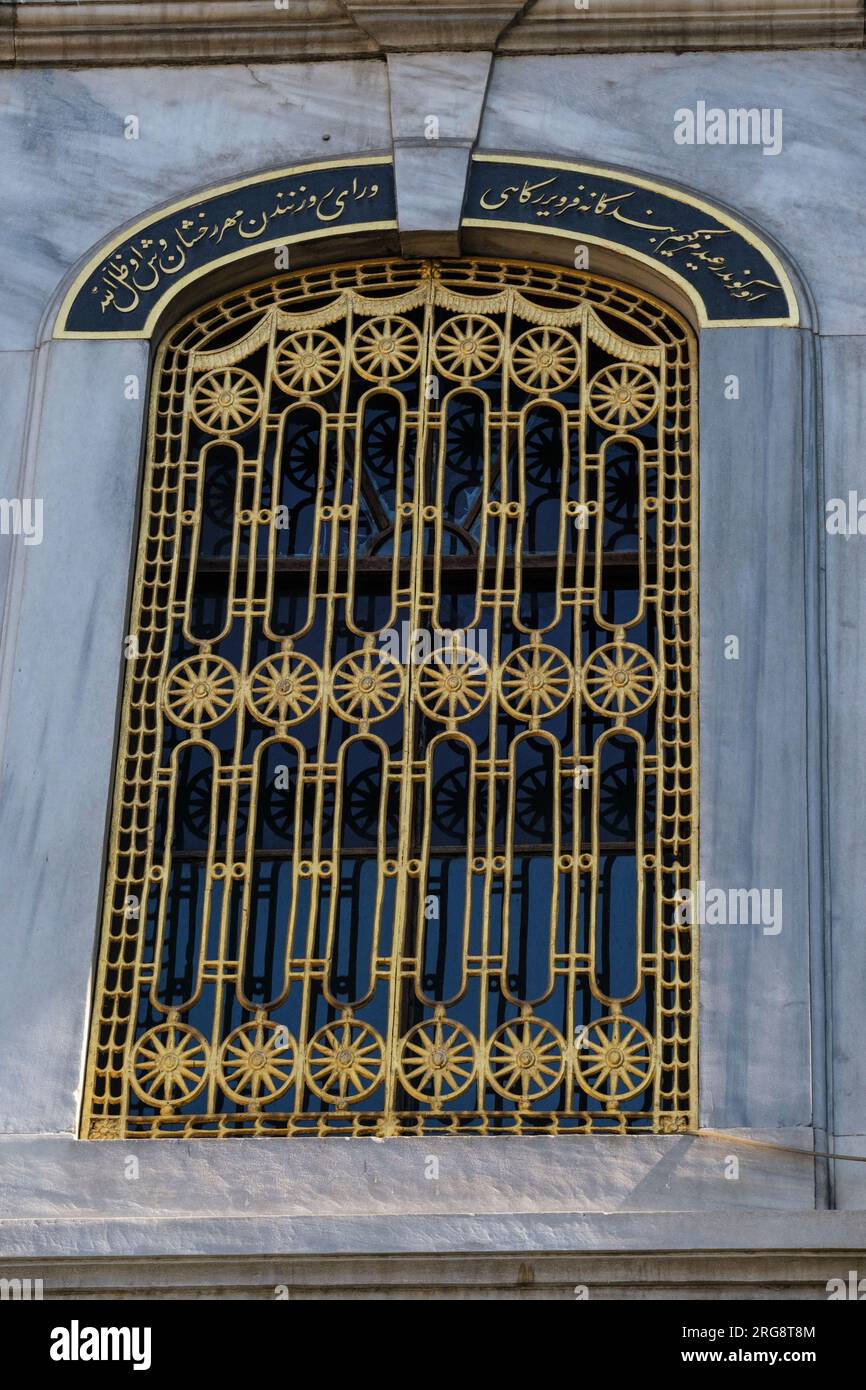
{"points": [[406, 793]]}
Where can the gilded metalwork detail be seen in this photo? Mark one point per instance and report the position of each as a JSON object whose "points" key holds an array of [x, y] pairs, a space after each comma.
{"points": [[437, 1061], [257, 1063], [366, 687], [534, 682], [387, 349], [308, 363], [407, 778], [283, 689], [226, 402], [169, 1065], [543, 360], [623, 397], [620, 678], [200, 692], [526, 1059], [453, 684], [344, 1062], [467, 347], [617, 1059]]}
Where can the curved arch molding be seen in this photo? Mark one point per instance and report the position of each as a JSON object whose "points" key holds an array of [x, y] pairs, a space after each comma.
{"points": [[731, 275]]}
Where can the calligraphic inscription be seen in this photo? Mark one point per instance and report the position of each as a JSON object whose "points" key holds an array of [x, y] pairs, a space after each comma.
{"points": [[119, 293], [725, 267]]}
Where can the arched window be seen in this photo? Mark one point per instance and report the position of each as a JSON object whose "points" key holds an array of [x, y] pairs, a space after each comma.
{"points": [[406, 787]]}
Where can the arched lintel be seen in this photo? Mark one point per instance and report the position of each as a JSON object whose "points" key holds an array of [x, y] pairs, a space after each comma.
{"points": [[331, 201], [519, 193], [624, 251]]}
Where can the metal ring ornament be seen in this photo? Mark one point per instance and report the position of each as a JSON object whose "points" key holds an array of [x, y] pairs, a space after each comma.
{"points": [[623, 397], [438, 1060], [467, 347], [257, 1062], [386, 349], [525, 1059], [615, 1059], [366, 687], [169, 1065], [283, 689], [345, 1061], [308, 363], [535, 682], [200, 692], [227, 401], [452, 684], [620, 678], [544, 360]]}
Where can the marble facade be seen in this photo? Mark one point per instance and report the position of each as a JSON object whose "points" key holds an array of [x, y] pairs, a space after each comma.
{"points": [[783, 774]]}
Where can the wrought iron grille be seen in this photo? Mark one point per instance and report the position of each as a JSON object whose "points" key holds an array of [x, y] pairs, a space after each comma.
{"points": [[407, 780]]}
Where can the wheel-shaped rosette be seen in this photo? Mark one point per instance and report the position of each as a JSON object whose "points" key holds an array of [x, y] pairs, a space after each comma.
{"points": [[623, 397], [620, 679], [308, 363], [200, 692], [467, 347], [387, 349], [366, 687], [169, 1065], [344, 1061], [525, 1059], [453, 684], [283, 689], [226, 401], [437, 1061], [544, 360], [535, 682], [257, 1062], [615, 1059]]}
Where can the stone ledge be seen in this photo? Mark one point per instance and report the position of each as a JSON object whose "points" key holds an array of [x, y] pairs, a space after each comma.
{"points": [[52, 1182], [717, 1274], [7, 36], [674, 1255], [644, 26], [118, 32]]}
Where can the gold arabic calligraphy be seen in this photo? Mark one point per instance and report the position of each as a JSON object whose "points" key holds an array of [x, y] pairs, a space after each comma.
{"points": [[137, 268], [697, 243]]}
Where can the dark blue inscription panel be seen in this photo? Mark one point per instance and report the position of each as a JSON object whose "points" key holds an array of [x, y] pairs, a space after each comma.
{"points": [[119, 294], [730, 273]]}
